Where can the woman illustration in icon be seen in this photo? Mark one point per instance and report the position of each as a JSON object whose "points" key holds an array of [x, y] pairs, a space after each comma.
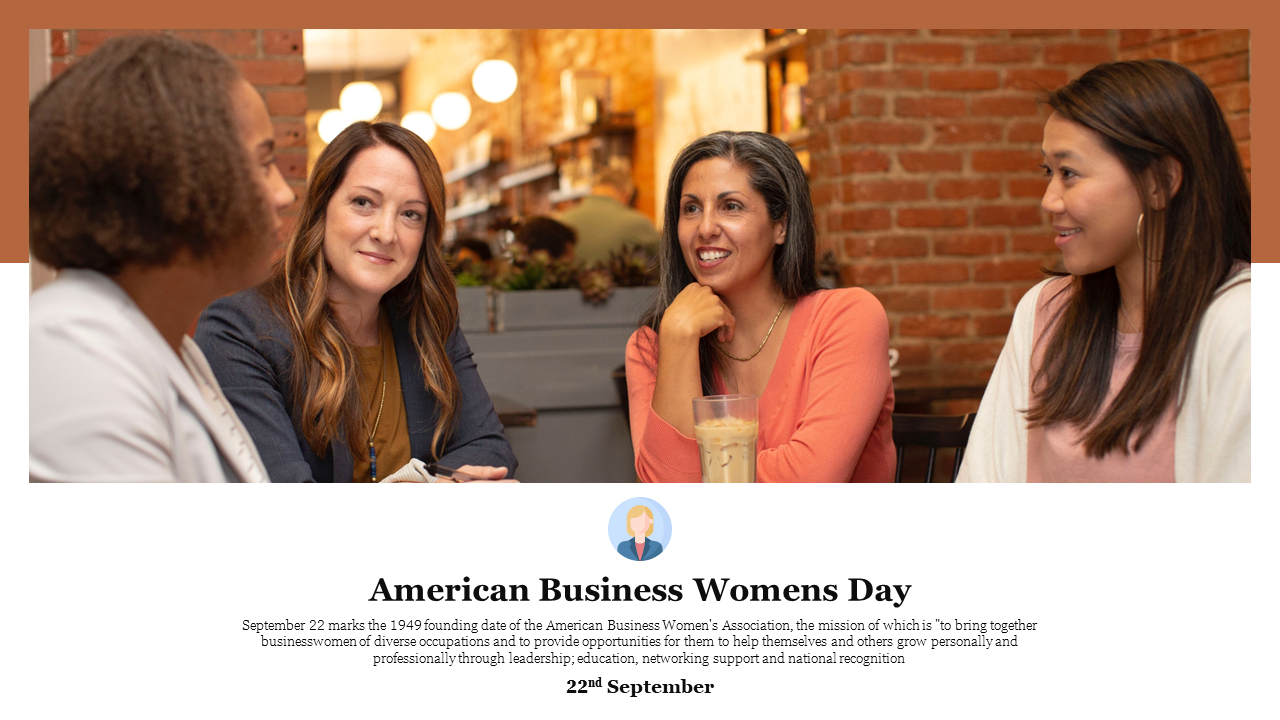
{"points": [[640, 527]]}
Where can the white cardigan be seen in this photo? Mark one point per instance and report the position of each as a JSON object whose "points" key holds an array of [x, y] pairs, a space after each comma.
{"points": [[111, 401], [1211, 438]]}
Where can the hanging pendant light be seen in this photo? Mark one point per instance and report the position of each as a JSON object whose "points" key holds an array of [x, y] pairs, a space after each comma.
{"points": [[361, 100], [451, 110], [494, 80], [421, 123], [331, 123]]}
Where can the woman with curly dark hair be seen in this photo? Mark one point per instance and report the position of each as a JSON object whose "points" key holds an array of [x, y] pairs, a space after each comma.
{"points": [[348, 365], [154, 190]]}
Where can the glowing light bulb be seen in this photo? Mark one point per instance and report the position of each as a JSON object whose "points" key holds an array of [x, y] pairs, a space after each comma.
{"points": [[361, 100], [421, 123], [494, 80], [451, 110], [333, 122]]}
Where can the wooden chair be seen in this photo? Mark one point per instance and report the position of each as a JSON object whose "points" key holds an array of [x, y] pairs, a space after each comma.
{"points": [[620, 383], [933, 432]]}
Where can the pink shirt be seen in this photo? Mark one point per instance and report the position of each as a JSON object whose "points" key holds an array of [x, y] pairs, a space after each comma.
{"points": [[825, 414], [1054, 452]]}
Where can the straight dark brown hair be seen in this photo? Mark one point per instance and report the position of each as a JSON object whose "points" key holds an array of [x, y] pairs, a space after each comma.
{"points": [[325, 373], [775, 172], [1148, 112]]}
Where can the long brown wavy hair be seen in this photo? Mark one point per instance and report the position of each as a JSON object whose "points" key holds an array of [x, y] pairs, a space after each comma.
{"points": [[1147, 112], [326, 387]]}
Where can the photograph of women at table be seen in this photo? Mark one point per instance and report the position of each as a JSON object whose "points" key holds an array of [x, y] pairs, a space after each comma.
{"points": [[850, 283], [348, 362], [1134, 364], [739, 311], [154, 190]]}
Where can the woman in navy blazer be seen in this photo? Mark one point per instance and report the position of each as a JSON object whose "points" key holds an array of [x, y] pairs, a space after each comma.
{"points": [[639, 527], [361, 301]]}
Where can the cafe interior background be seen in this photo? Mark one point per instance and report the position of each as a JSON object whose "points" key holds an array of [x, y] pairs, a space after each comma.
{"points": [[921, 146]]}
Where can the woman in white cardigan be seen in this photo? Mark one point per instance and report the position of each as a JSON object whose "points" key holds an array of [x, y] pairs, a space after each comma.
{"points": [[154, 190], [1133, 366]]}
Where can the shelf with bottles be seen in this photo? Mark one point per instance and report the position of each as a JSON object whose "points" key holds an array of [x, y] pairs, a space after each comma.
{"points": [[561, 171], [612, 124], [533, 173], [473, 182], [786, 79], [479, 153], [778, 42], [470, 208], [581, 153], [529, 178]]}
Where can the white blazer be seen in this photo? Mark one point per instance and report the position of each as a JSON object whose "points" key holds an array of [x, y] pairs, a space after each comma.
{"points": [[111, 401]]}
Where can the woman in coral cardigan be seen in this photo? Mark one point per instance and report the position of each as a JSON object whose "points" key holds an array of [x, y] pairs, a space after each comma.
{"points": [[740, 311]]}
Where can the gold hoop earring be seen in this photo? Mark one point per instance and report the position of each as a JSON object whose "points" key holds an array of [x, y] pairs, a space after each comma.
{"points": [[1140, 216]]}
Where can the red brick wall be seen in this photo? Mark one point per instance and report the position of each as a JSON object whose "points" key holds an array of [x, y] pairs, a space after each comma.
{"points": [[1219, 57], [270, 59], [925, 151]]}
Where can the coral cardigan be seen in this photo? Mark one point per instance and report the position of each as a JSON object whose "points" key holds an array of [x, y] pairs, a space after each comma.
{"points": [[825, 414]]}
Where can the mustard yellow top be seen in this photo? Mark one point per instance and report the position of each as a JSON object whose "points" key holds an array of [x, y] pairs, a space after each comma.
{"points": [[392, 438]]}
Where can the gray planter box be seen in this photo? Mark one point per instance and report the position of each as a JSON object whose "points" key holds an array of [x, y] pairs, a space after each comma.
{"points": [[474, 305], [555, 352], [552, 369], [563, 309]]}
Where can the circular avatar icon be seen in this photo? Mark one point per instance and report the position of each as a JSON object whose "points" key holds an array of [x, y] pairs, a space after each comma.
{"points": [[640, 529]]}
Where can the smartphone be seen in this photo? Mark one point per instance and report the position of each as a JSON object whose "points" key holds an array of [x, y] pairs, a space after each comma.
{"points": [[447, 473]]}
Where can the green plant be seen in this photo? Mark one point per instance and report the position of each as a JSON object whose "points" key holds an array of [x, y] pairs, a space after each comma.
{"points": [[633, 266], [468, 273], [559, 274], [596, 283], [520, 278], [629, 266], [468, 279]]}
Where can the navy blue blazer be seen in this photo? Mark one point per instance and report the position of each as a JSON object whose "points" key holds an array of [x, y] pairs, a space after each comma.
{"points": [[249, 348], [652, 549]]}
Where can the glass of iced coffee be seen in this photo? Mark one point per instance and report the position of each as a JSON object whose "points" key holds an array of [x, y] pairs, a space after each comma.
{"points": [[726, 427]]}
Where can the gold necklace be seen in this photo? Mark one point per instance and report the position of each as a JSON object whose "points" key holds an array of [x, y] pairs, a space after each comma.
{"points": [[1126, 317], [373, 453], [762, 342]]}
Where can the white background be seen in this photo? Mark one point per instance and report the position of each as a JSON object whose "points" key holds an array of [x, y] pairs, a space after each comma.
{"points": [[1152, 601]]}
